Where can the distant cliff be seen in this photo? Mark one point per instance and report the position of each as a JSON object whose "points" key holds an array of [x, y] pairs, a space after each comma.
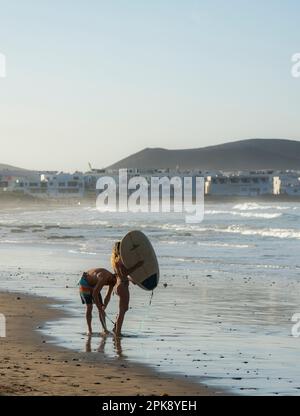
{"points": [[249, 154], [12, 170]]}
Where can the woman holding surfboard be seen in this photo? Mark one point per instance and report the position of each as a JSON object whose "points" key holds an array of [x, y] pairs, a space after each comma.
{"points": [[122, 285], [132, 253]]}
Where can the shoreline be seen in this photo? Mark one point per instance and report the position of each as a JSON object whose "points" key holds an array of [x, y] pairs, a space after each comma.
{"points": [[8, 201], [31, 364]]}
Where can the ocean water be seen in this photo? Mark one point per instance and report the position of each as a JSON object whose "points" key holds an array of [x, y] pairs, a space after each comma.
{"points": [[222, 313]]}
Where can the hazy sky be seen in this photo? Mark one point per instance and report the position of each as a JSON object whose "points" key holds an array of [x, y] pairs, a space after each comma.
{"points": [[94, 81]]}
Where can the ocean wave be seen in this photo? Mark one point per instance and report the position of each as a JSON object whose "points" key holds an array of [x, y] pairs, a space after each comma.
{"points": [[206, 244], [244, 214], [228, 245], [91, 253], [10, 241], [264, 232], [57, 226], [65, 237], [250, 206], [236, 229], [260, 215]]}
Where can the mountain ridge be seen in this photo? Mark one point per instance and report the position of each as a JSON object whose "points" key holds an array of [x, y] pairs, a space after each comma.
{"points": [[250, 154], [13, 170]]}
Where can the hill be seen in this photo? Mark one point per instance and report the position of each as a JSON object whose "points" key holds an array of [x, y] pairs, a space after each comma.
{"points": [[13, 170], [249, 154]]}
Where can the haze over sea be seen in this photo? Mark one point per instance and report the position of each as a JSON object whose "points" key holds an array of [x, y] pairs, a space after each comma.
{"points": [[228, 290]]}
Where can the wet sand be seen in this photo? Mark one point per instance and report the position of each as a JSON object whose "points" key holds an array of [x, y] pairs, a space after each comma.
{"points": [[31, 365]]}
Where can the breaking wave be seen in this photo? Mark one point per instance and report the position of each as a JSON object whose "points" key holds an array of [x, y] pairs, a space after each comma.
{"points": [[264, 215]]}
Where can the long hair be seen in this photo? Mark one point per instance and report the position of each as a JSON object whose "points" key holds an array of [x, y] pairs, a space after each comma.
{"points": [[115, 255]]}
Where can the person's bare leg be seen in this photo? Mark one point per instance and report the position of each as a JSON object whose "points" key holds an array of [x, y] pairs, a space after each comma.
{"points": [[89, 309], [103, 322], [123, 308], [119, 323]]}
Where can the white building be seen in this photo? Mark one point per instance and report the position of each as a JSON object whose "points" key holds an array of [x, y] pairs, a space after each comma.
{"points": [[242, 184], [5, 181], [31, 185], [57, 185], [64, 184], [290, 183]]}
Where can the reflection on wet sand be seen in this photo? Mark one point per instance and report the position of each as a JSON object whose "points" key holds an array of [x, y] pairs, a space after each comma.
{"points": [[117, 345], [101, 348], [88, 344]]}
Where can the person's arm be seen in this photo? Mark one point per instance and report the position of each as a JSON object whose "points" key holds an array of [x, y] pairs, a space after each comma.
{"points": [[97, 294], [99, 303], [122, 271], [108, 295], [135, 267]]}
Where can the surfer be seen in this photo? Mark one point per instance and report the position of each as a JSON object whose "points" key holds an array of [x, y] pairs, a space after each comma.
{"points": [[122, 285], [90, 286]]}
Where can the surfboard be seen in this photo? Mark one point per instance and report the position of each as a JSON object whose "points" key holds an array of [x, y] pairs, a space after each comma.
{"points": [[135, 247]]}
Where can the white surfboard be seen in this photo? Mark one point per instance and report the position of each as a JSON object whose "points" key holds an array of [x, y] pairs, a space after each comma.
{"points": [[135, 247]]}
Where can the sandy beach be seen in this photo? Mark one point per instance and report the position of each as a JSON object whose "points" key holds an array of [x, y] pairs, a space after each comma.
{"points": [[30, 365]]}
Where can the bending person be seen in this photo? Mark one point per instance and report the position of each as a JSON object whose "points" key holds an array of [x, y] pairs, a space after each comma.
{"points": [[90, 286]]}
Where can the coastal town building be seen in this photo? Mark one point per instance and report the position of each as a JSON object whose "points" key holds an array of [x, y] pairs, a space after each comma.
{"points": [[216, 183], [64, 184], [32, 185], [290, 183], [56, 185], [243, 184]]}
